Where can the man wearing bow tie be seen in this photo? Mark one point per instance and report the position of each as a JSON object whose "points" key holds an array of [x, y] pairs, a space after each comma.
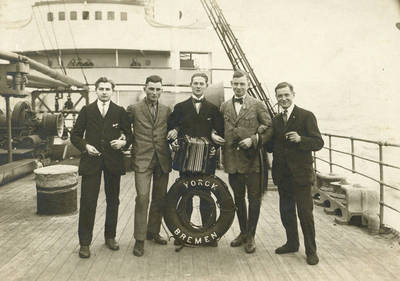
{"points": [[98, 134], [296, 134], [244, 116], [196, 117], [151, 160]]}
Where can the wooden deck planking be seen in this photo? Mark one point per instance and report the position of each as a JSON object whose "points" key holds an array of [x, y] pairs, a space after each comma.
{"points": [[46, 248]]}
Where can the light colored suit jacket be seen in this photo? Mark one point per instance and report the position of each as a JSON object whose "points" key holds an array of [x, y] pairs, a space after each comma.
{"points": [[149, 136], [252, 115]]}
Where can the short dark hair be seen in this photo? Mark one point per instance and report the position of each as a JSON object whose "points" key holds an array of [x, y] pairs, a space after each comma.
{"points": [[284, 85], [154, 79], [240, 73], [199, 74], [104, 80]]}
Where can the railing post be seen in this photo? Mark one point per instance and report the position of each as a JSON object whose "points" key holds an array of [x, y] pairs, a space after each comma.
{"points": [[330, 154], [382, 186], [353, 158], [315, 161]]}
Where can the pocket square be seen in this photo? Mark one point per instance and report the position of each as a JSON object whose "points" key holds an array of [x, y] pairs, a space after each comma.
{"points": [[115, 125]]}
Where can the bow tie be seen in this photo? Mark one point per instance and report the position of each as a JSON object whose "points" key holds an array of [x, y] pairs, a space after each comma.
{"points": [[198, 101], [238, 100]]}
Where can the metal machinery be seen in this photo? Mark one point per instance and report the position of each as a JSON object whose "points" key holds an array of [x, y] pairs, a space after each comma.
{"points": [[24, 130], [234, 51]]}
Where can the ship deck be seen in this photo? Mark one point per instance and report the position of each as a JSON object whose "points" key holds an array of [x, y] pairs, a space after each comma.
{"points": [[34, 247]]}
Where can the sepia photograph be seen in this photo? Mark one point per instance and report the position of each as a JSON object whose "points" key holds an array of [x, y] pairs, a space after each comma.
{"points": [[199, 140]]}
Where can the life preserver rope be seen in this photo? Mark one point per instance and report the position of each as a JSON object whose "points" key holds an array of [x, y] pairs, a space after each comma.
{"points": [[207, 188]]}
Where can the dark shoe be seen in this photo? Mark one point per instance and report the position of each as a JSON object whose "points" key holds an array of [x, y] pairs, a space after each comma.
{"points": [[156, 238], [112, 244], [84, 252], [238, 241], [213, 244], [138, 249], [177, 242], [250, 245], [312, 259], [286, 249]]}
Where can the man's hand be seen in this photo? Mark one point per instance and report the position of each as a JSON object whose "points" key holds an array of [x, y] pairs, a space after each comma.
{"points": [[293, 136], [118, 143], [246, 143], [92, 151], [172, 134], [217, 139], [175, 145]]}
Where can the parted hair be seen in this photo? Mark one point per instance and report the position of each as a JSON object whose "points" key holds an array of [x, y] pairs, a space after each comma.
{"points": [[154, 79], [104, 80], [284, 85], [199, 74], [240, 73]]}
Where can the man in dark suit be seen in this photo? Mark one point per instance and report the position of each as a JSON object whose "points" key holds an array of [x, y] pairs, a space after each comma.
{"points": [[244, 117], [151, 160], [196, 117], [99, 134], [295, 135]]}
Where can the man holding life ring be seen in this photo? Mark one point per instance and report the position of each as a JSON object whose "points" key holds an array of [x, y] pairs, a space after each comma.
{"points": [[244, 116], [196, 117]]}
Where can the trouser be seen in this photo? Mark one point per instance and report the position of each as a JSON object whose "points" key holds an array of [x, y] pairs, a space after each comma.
{"points": [[239, 183], [89, 193], [292, 195], [142, 182], [206, 208]]}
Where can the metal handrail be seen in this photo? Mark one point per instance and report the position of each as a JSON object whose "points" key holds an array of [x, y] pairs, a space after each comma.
{"points": [[353, 155]]}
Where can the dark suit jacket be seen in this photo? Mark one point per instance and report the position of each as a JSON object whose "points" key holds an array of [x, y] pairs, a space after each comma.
{"points": [[295, 156], [91, 128], [188, 122], [149, 136]]}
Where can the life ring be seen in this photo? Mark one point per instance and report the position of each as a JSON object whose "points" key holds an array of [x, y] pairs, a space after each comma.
{"points": [[209, 188]]}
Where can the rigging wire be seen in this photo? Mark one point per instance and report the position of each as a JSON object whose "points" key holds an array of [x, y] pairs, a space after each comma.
{"points": [[60, 62], [47, 32], [40, 35], [73, 41]]}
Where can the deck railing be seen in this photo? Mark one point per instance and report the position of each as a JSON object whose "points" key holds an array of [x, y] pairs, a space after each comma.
{"points": [[353, 156]]}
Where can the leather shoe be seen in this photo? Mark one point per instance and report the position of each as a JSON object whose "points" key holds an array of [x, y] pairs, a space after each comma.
{"points": [[84, 252], [238, 241], [213, 243], [157, 238], [312, 259], [138, 249], [112, 244], [285, 249], [250, 245]]}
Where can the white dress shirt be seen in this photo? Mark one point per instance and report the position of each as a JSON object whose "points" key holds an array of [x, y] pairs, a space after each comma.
{"points": [[100, 106], [197, 104]]}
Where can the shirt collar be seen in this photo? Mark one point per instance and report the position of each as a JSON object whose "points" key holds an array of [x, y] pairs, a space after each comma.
{"points": [[196, 98], [242, 97], [100, 103], [290, 110]]}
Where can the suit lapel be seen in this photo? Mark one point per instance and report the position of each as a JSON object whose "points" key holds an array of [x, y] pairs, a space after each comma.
{"points": [[292, 119], [244, 110], [96, 110], [146, 111]]}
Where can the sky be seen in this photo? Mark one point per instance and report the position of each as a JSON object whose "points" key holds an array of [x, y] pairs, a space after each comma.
{"points": [[343, 57]]}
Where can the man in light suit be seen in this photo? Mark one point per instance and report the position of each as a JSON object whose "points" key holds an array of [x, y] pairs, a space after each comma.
{"points": [[98, 133], [197, 117], [244, 117], [295, 135], [151, 160]]}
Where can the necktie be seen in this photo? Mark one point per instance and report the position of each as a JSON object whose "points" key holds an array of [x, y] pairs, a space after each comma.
{"points": [[197, 104], [197, 101], [153, 111], [285, 116], [238, 100], [103, 109]]}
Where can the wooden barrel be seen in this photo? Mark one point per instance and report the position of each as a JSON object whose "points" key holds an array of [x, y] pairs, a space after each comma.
{"points": [[56, 188]]}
